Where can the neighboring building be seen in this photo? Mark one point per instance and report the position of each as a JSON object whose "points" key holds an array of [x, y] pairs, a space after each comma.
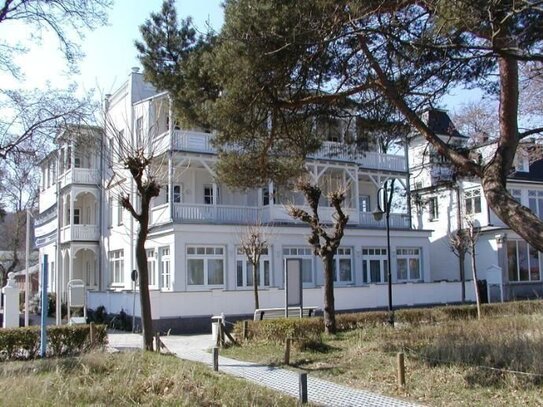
{"points": [[443, 202], [196, 268]]}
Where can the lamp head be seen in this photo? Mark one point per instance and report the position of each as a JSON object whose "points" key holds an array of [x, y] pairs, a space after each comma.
{"points": [[378, 214]]}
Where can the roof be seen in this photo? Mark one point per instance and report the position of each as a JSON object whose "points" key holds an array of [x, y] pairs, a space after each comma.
{"points": [[535, 173], [440, 123]]}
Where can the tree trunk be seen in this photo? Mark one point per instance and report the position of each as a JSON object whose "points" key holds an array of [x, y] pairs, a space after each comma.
{"points": [[255, 285], [329, 310], [474, 273], [141, 260], [462, 267]]}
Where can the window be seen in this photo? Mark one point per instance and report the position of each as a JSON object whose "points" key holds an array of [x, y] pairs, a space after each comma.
{"points": [[306, 255], [408, 264], [343, 265], [364, 203], [535, 202], [375, 265], [116, 266], [522, 261], [177, 193], [516, 194], [77, 216], [110, 212], [209, 199], [244, 270], [205, 265], [77, 162], [433, 208], [472, 201], [266, 197], [139, 131], [165, 273], [120, 136], [151, 267], [119, 214]]}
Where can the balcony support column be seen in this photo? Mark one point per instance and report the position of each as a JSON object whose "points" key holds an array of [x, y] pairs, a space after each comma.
{"points": [[215, 199]]}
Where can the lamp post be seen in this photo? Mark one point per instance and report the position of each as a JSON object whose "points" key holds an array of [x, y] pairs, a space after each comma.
{"points": [[378, 215]]}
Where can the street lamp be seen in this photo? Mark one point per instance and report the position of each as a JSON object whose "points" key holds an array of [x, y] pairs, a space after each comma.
{"points": [[378, 215]]}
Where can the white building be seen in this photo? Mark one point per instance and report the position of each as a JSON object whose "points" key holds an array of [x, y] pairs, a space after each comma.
{"points": [[443, 203], [195, 263]]}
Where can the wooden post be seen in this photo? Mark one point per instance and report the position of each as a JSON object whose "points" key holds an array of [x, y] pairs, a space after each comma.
{"points": [[287, 351], [401, 370], [219, 335], [302, 384], [215, 352], [245, 329], [157, 342], [92, 334]]}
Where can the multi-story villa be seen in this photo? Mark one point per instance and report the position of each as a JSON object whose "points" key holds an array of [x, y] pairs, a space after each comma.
{"points": [[196, 266], [445, 202]]}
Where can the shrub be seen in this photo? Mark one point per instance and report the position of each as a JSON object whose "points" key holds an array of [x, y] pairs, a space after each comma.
{"points": [[302, 331], [23, 343]]}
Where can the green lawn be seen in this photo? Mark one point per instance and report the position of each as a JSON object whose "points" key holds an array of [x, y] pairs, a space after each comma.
{"points": [[127, 378], [441, 360]]}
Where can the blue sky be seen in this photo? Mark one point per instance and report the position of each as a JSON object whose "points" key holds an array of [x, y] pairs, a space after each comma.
{"points": [[110, 51]]}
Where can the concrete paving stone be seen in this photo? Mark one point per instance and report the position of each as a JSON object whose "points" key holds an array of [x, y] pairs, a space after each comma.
{"points": [[322, 392]]}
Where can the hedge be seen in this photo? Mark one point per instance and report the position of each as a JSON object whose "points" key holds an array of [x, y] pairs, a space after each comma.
{"points": [[308, 330], [24, 343]]}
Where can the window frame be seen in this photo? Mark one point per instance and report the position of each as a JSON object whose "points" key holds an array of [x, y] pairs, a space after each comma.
{"points": [[517, 264], [116, 267], [473, 197], [302, 253], [246, 267], [402, 253], [151, 255], [370, 254], [165, 268], [343, 253], [205, 253]]}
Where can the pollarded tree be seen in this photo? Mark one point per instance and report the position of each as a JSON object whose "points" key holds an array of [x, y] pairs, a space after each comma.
{"points": [[134, 155], [323, 241]]}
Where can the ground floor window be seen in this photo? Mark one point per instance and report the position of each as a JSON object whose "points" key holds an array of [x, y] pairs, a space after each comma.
{"points": [[375, 265], [165, 273], [343, 265], [306, 256], [522, 261], [205, 265], [116, 266], [245, 269], [151, 267], [408, 266]]}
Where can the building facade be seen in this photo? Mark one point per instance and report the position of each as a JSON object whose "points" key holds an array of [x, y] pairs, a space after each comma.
{"points": [[196, 265], [445, 203]]}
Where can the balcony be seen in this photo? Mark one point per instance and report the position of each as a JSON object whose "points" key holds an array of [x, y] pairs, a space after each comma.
{"points": [[79, 233], [396, 221], [200, 142], [87, 176]]}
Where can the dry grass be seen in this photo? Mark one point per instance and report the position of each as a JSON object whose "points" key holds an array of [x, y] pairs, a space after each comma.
{"points": [[441, 360], [122, 379]]}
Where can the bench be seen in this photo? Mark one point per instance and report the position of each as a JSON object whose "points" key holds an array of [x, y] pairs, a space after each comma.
{"points": [[293, 312]]}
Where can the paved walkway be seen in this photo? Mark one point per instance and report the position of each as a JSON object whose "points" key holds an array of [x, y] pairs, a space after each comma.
{"points": [[194, 348]]}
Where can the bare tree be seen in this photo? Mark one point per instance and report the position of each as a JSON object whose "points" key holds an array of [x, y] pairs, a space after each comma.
{"points": [[472, 235], [136, 175], [254, 241], [324, 242], [459, 244], [61, 17]]}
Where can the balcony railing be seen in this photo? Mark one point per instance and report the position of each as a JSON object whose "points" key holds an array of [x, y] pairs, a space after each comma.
{"points": [[79, 233], [396, 220], [87, 176], [229, 214], [201, 143]]}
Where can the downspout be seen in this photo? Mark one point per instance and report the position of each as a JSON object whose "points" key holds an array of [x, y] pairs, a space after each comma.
{"points": [[170, 157]]}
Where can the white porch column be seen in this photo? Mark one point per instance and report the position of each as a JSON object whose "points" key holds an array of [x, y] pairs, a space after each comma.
{"points": [[215, 199], [71, 220]]}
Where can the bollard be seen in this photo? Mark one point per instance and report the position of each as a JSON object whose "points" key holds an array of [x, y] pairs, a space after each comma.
{"points": [[92, 334], [401, 370], [219, 335], [215, 352], [157, 342], [302, 383], [287, 351], [245, 329]]}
